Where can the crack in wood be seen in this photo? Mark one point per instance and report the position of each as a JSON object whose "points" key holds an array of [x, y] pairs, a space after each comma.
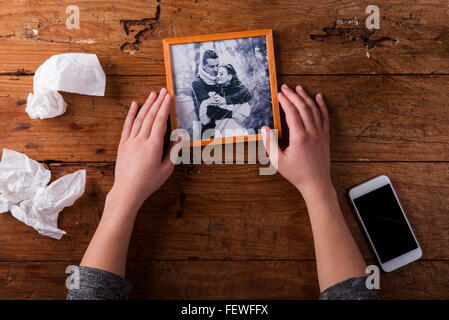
{"points": [[140, 30], [350, 30]]}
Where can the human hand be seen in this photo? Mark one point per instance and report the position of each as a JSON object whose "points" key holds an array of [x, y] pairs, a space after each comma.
{"points": [[219, 100], [306, 161], [141, 167]]}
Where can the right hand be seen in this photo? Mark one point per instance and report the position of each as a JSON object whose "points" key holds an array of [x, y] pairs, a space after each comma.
{"points": [[306, 161]]}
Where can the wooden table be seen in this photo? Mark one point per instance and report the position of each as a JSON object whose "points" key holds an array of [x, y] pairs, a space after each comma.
{"points": [[216, 231]]}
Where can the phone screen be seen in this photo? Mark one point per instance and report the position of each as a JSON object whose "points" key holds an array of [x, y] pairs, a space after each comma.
{"points": [[385, 223]]}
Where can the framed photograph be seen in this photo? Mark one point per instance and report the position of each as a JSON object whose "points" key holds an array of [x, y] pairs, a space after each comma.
{"points": [[224, 86]]}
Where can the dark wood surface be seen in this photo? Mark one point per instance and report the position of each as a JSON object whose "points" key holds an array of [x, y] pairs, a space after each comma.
{"points": [[224, 231]]}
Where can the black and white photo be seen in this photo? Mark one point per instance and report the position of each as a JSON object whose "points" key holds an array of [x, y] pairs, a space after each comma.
{"points": [[222, 87]]}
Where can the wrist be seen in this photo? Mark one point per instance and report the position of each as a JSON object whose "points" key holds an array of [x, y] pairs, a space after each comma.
{"points": [[318, 192], [121, 202]]}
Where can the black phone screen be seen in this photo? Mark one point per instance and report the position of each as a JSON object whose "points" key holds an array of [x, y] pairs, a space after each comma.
{"points": [[385, 223]]}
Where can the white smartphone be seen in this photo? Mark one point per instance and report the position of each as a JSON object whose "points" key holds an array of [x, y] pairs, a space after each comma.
{"points": [[384, 221]]}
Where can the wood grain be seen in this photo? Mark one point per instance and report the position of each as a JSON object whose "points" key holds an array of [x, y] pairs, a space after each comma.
{"points": [[205, 212], [221, 280], [225, 232], [312, 37], [372, 118]]}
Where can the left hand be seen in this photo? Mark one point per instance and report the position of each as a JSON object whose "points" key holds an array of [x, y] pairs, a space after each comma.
{"points": [[219, 100], [141, 167]]}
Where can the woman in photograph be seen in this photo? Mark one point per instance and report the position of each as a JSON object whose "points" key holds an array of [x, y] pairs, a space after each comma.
{"points": [[236, 96]]}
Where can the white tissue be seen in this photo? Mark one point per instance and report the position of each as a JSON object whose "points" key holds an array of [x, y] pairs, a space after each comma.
{"points": [[24, 192], [71, 72]]}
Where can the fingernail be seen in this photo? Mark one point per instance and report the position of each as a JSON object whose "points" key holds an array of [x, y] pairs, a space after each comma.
{"points": [[285, 86], [319, 96], [163, 90], [299, 88], [152, 94], [167, 97], [133, 104], [266, 130]]}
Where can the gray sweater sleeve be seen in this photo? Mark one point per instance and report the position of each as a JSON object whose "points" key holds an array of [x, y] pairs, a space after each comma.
{"points": [[350, 289], [96, 284]]}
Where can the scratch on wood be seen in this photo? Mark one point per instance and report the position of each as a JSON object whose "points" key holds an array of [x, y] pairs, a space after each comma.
{"points": [[367, 127], [8, 35], [31, 33], [140, 30], [182, 201], [208, 231], [351, 30], [23, 126], [19, 72]]}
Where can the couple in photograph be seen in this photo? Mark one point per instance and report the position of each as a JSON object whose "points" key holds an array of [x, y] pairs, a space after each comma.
{"points": [[221, 100]]}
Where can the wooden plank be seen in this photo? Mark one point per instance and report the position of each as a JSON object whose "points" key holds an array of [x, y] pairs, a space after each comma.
{"points": [[272, 280], [221, 280], [372, 118], [218, 212], [313, 37]]}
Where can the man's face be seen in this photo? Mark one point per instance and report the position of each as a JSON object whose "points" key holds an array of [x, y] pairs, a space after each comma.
{"points": [[211, 66]]}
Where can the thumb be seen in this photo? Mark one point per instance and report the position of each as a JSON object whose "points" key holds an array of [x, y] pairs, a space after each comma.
{"points": [[270, 141], [172, 155]]}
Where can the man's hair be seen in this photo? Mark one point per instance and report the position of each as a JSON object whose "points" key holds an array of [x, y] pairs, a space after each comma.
{"points": [[209, 54]]}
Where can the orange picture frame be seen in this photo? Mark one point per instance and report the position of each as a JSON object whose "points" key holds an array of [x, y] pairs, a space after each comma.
{"points": [[268, 34]]}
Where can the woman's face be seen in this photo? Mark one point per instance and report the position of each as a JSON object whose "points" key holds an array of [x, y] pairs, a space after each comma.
{"points": [[223, 77]]}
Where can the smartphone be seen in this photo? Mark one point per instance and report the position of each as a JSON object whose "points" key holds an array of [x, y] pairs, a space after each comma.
{"points": [[384, 221]]}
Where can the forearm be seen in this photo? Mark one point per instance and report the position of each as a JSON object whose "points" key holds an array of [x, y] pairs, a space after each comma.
{"points": [[108, 248], [337, 255]]}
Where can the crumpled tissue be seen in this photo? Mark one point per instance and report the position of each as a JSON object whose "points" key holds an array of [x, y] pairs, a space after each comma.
{"points": [[70, 72], [24, 192]]}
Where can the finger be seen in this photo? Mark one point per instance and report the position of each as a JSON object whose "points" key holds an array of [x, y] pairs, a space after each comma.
{"points": [[270, 142], [292, 116], [147, 125], [302, 107], [142, 113], [129, 122], [313, 107], [324, 113], [160, 121]]}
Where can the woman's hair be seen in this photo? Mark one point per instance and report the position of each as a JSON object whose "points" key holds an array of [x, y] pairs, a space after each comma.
{"points": [[235, 79]]}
